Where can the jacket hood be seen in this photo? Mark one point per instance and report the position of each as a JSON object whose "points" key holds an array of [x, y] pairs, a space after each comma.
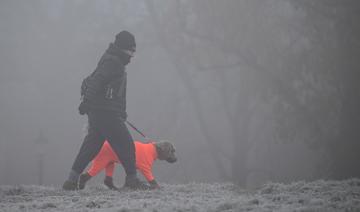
{"points": [[115, 50]]}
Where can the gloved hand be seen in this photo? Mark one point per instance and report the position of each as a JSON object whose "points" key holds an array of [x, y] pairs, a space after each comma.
{"points": [[83, 107], [154, 184], [123, 116]]}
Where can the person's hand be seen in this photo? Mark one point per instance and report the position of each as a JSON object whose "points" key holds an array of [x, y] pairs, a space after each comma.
{"points": [[123, 116], [154, 185], [83, 107]]}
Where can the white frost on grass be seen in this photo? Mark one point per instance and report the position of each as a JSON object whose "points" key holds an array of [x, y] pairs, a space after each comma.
{"points": [[298, 196]]}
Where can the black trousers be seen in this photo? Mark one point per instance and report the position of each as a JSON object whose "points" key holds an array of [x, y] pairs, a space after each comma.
{"points": [[103, 126]]}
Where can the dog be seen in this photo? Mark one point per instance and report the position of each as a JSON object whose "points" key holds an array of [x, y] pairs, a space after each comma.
{"points": [[146, 154]]}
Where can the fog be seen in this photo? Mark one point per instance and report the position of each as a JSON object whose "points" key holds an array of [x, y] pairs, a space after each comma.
{"points": [[248, 91]]}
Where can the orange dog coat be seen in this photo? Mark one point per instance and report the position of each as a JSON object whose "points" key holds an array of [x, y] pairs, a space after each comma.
{"points": [[145, 156]]}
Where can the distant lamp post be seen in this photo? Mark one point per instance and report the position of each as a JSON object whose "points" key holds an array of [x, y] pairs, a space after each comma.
{"points": [[41, 141]]}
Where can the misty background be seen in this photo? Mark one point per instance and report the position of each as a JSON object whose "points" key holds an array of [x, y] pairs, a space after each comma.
{"points": [[248, 91]]}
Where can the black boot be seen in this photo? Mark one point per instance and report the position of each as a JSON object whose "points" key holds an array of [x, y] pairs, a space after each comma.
{"points": [[83, 179], [132, 182], [108, 181], [70, 185]]}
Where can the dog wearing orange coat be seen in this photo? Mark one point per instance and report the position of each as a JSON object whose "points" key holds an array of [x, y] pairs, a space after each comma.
{"points": [[146, 154]]}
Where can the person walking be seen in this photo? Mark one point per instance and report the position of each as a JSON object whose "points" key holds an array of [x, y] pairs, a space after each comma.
{"points": [[104, 101]]}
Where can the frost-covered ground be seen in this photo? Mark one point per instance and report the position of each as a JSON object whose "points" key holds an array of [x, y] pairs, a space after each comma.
{"points": [[297, 196]]}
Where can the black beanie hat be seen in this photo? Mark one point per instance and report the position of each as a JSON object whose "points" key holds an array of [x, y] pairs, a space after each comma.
{"points": [[125, 40]]}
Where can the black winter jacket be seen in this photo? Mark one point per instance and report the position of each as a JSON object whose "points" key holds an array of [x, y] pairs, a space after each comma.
{"points": [[106, 86]]}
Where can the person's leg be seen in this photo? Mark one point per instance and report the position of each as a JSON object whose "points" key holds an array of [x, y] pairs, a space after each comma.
{"points": [[122, 143], [90, 147]]}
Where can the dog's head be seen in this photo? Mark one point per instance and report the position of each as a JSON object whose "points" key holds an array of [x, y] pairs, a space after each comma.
{"points": [[166, 151]]}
